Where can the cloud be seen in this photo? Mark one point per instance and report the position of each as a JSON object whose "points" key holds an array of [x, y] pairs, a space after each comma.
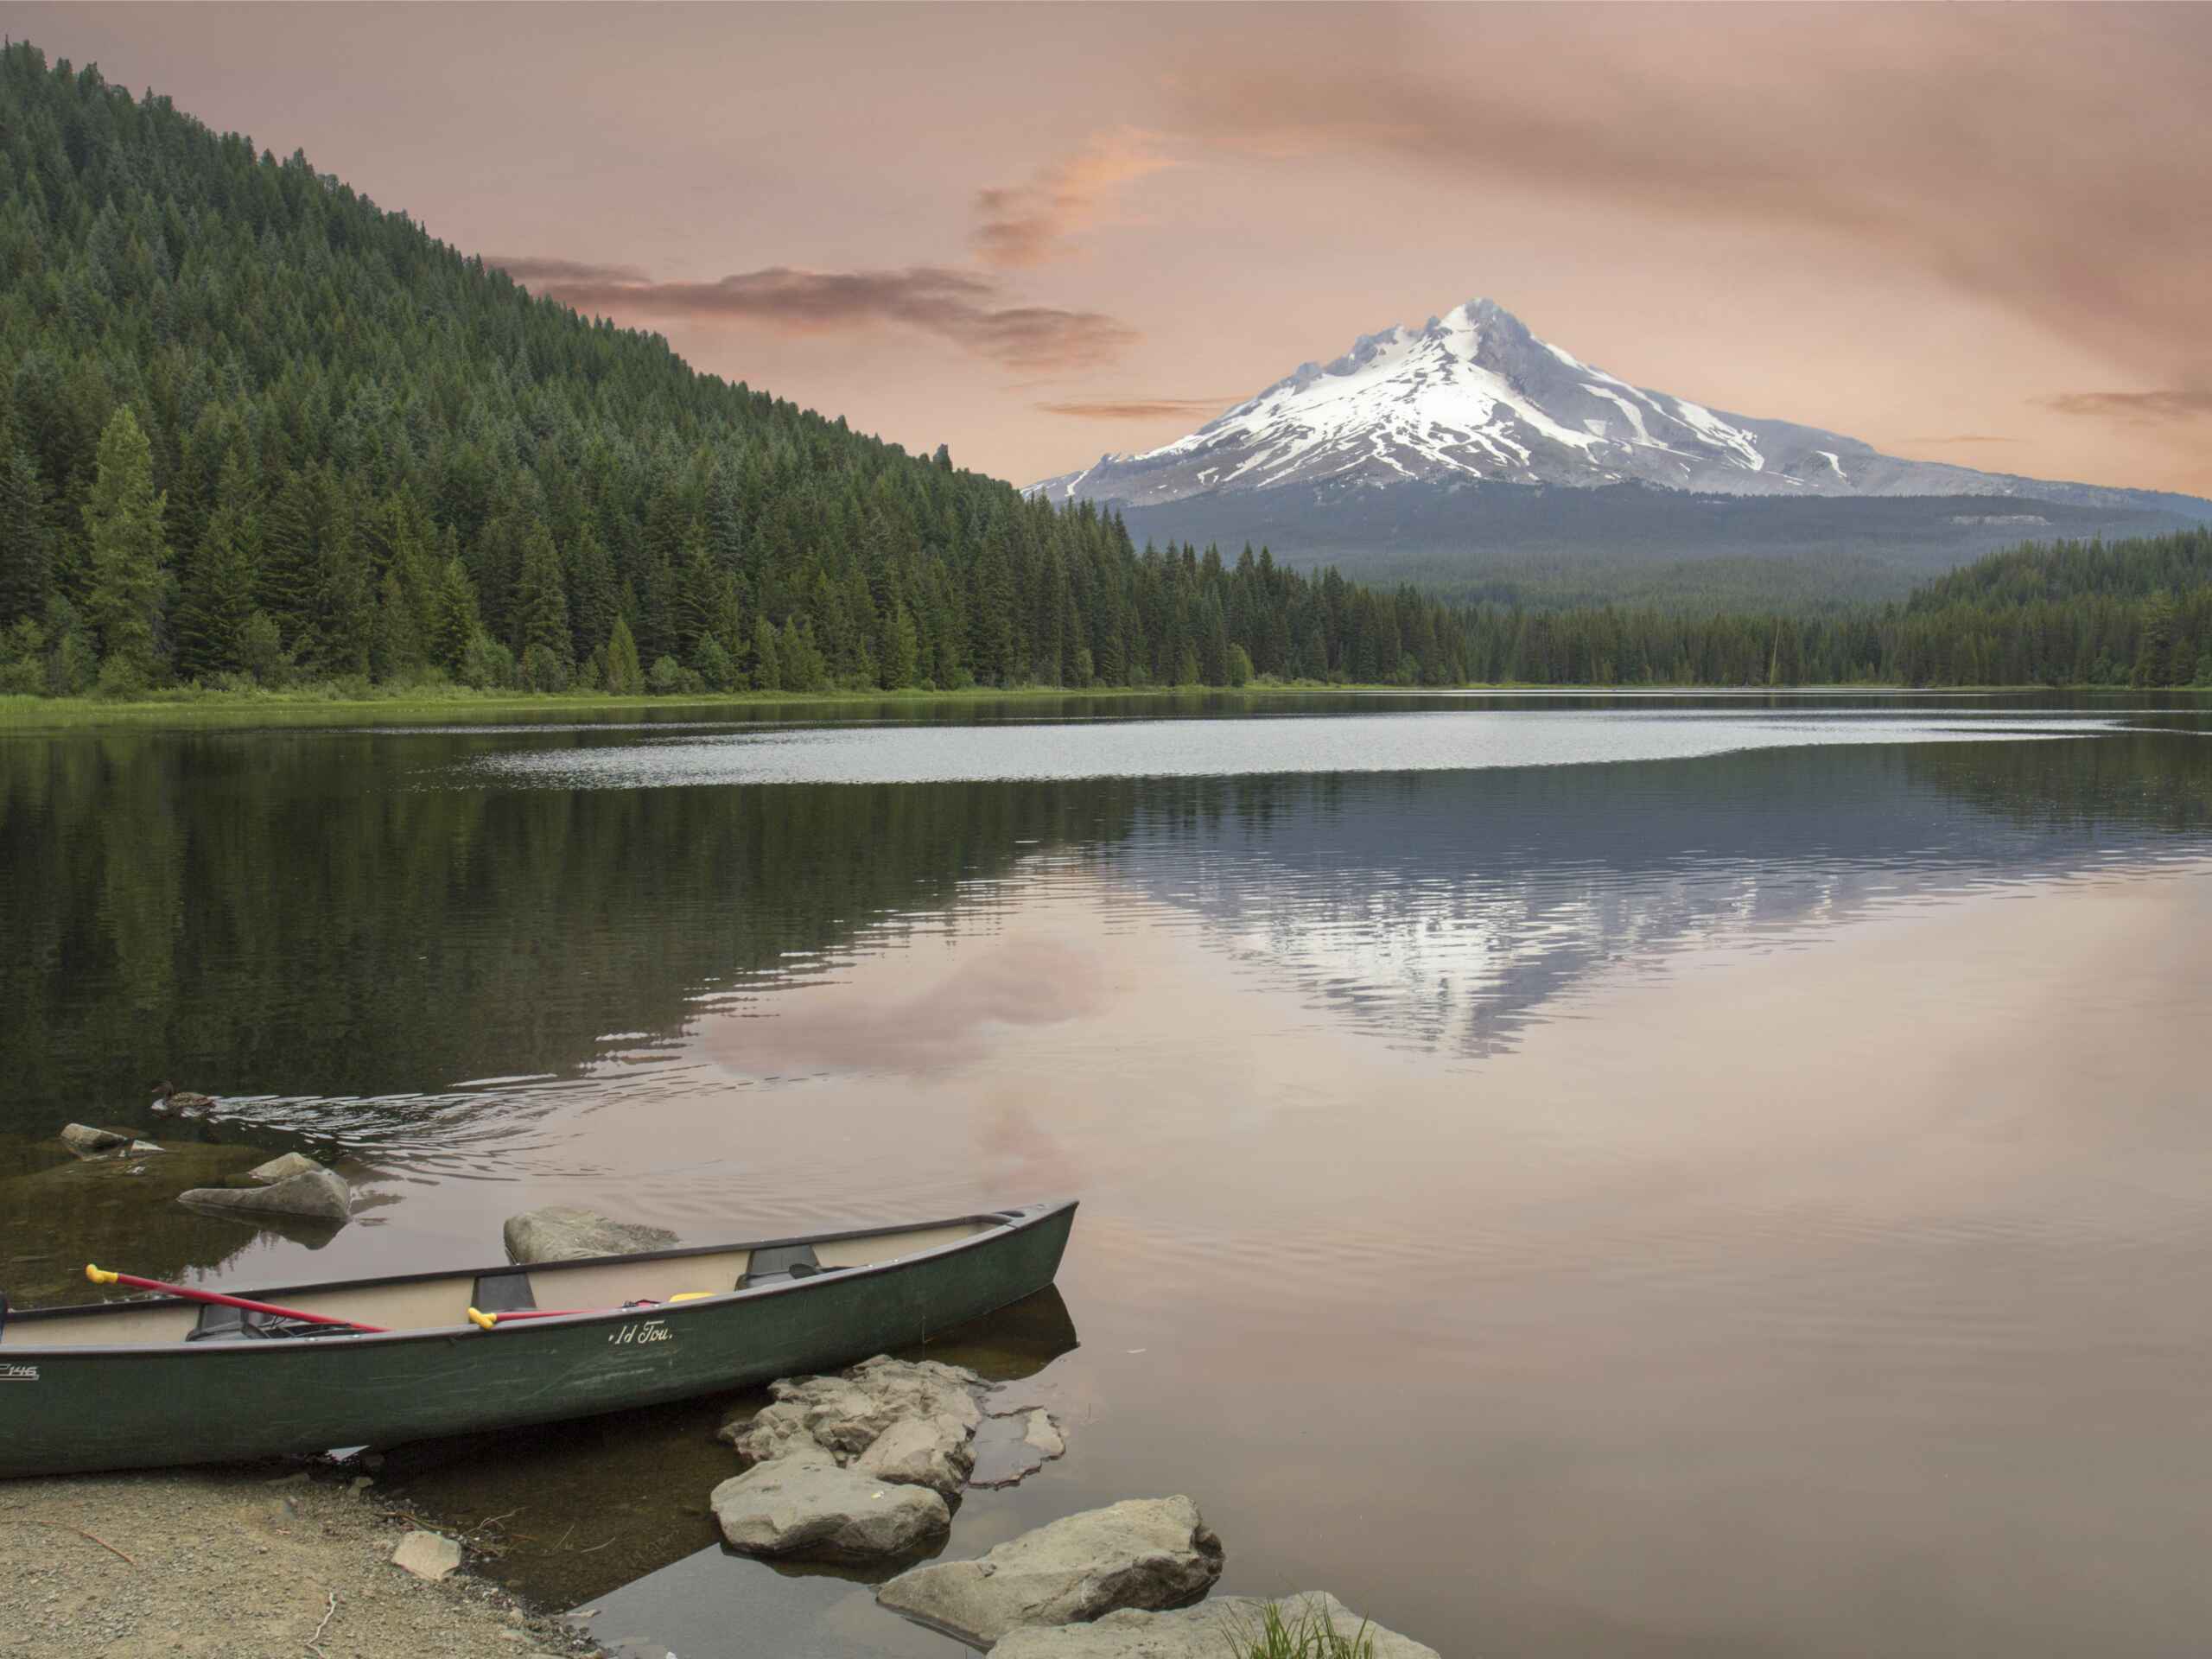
{"points": [[1138, 409], [2047, 162], [963, 307], [1027, 224], [535, 271], [2171, 406]]}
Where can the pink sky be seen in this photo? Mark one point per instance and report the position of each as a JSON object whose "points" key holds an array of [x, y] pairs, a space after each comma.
{"points": [[1966, 233]]}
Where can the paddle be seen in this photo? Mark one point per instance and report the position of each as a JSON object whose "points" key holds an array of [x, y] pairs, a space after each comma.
{"points": [[101, 1276], [489, 1320]]}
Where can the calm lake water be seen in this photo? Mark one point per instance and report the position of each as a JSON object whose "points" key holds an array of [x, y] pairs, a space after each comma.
{"points": [[1571, 1176]]}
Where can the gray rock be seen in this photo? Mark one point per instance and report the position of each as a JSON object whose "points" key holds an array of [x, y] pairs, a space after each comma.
{"points": [[318, 1196], [847, 1415], [88, 1143], [139, 1149], [277, 1169], [564, 1232], [428, 1556], [1042, 1435], [1212, 1630], [804, 1505], [1143, 1552], [1012, 1446], [931, 1451]]}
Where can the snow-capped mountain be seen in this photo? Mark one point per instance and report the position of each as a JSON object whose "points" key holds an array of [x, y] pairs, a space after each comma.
{"points": [[1474, 397]]}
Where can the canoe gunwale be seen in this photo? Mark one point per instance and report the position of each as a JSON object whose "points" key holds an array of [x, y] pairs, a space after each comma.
{"points": [[994, 1225]]}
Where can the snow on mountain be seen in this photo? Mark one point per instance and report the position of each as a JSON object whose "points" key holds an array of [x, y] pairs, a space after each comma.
{"points": [[1473, 396]]}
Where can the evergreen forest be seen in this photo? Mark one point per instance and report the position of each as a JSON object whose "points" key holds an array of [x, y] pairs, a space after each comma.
{"points": [[256, 431]]}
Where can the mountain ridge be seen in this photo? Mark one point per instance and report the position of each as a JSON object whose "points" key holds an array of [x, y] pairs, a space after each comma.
{"points": [[1474, 397]]}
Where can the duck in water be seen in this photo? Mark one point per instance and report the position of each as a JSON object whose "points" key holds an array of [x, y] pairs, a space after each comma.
{"points": [[167, 1098]]}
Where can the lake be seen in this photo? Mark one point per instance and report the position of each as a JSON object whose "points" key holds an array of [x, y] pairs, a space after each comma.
{"points": [[1570, 1175]]}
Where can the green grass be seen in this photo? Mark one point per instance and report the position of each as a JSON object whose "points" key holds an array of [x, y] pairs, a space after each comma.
{"points": [[1308, 1633]]}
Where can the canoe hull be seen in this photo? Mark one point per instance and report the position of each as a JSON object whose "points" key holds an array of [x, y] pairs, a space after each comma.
{"points": [[85, 1409]]}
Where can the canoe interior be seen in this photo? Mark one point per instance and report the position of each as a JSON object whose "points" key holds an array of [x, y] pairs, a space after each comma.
{"points": [[436, 1302]]}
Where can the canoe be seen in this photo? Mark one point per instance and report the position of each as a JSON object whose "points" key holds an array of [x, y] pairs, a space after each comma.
{"points": [[134, 1385]]}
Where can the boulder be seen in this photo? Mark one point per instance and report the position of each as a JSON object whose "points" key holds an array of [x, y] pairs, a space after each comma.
{"points": [[1142, 1552], [1208, 1631], [847, 1415], [562, 1232], [316, 1196], [428, 1556], [88, 1143], [139, 1149], [804, 1505], [281, 1168]]}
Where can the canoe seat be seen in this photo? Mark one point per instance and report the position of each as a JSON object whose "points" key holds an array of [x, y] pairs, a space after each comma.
{"points": [[220, 1324], [778, 1264], [502, 1293]]}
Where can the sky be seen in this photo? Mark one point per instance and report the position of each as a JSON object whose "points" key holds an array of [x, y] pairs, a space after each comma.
{"points": [[1973, 233]]}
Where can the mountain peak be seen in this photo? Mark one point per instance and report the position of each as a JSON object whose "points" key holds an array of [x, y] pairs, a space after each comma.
{"points": [[1474, 396]]}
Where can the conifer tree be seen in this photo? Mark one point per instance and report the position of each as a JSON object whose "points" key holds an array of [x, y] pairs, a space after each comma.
{"points": [[123, 527], [218, 595], [625, 677], [458, 623], [26, 561], [541, 598]]}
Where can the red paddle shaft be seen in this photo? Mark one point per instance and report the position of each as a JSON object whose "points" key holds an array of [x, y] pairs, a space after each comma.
{"points": [[101, 1276]]}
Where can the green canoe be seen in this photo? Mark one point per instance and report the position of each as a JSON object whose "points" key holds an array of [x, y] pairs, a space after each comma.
{"points": [[133, 1384]]}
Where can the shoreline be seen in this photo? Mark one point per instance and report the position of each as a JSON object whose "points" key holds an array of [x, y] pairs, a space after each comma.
{"points": [[238, 1561], [40, 716]]}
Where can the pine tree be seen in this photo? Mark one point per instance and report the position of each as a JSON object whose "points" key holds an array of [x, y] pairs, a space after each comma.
{"points": [[218, 594], [26, 555], [541, 598], [625, 678], [458, 622], [901, 648], [122, 526]]}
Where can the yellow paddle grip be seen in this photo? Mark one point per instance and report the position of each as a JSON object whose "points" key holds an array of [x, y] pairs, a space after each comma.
{"points": [[488, 1320], [98, 1276], [692, 1296]]}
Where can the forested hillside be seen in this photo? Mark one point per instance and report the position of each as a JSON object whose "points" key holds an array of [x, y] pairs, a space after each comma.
{"points": [[258, 430], [2134, 613]]}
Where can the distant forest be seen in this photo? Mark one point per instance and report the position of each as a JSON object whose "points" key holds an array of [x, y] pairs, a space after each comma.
{"points": [[257, 432]]}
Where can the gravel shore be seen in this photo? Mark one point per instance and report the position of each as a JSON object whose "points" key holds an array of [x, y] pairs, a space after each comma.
{"points": [[236, 1563]]}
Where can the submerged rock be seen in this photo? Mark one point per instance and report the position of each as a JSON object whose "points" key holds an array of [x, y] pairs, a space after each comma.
{"points": [[317, 1195], [804, 1505], [289, 1164], [1142, 1552], [562, 1232], [1009, 1449], [88, 1143], [428, 1556], [1209, 1631]]}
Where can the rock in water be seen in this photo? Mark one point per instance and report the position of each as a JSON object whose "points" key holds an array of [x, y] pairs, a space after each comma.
{"points": [[931, 1451], [318, 1196], [805, 1504], [564, 1232], [88, 1143], [847, 1415], [1210, 1631], [277, 1169], [428, 1556], [1143, 1552]]}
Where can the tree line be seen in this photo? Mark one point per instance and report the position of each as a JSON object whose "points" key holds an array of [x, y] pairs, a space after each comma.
{"points": [[257, 431]]}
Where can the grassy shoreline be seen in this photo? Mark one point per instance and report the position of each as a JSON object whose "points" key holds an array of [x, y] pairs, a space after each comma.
{"points": [[419, 706]]}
